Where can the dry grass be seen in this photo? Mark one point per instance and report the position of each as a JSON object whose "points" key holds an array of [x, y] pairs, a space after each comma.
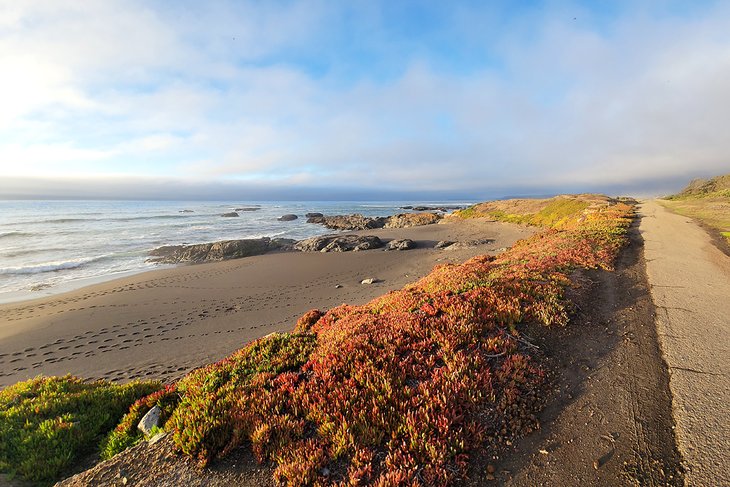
{"points": [[705, 200]]}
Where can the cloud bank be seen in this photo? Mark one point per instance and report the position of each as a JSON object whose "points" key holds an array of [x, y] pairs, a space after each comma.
{"points": [[326, 98]]}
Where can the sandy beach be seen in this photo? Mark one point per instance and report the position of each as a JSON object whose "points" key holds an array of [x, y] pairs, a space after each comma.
{"points": [[163, 323]]}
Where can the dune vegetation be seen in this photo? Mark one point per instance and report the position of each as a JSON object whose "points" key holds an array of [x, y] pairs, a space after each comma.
{"points": [[48, 423], [408, 388], [707, 200]]}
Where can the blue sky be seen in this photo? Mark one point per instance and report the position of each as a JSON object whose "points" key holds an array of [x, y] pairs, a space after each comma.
{"points": [[326, 98]]}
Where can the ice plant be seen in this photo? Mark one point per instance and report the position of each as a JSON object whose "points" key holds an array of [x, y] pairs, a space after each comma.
{"points": [[404, 389]]}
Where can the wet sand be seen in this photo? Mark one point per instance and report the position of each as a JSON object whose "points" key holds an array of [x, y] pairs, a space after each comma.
{"points": [[163, 323]]}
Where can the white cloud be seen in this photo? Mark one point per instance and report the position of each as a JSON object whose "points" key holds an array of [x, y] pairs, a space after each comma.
{"points": [[90, 86]]}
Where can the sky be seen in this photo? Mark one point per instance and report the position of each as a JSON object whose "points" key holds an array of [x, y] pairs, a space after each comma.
{"points": [[357, 99]]}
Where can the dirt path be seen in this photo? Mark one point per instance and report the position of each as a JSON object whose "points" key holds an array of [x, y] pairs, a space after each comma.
{"points": [[608, 420], [690, 285]]}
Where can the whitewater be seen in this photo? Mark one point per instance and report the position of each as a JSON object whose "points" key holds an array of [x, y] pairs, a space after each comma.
{"points": [[53, 246]]}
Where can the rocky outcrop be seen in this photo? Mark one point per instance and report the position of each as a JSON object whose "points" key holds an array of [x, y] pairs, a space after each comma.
{"points": [[405, 220], [339, 243], [230, 214], [186, 211], [217, 251], [249, 208], [402, 244], [442, 244], [360, 222], [314, 215], [468, 244], [432, 208], [287, 218], [348, 222]]}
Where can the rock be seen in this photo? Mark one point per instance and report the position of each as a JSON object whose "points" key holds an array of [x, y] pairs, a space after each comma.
{"points": [[314, 215], [405, 220], [443, 244], [217, 251], [287, 218], [360, 222], [231, 214], [402, 244], [249, 208], [339, 243], [186, 211], [369, 280], [150, 421], [443, 209], [338, 286], [157, 437], [348, 222], [469, 244]]}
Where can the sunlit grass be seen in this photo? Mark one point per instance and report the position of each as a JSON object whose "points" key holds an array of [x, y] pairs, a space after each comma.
{"points": [[48, 423]]}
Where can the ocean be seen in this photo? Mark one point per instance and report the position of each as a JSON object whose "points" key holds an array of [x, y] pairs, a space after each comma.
{"points": [[48, 247]]}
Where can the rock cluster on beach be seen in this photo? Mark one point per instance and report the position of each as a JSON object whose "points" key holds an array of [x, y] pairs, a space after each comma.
{"points": [[348, 222], [217, 251], [360, 222], [405, 220], [401, 244], [444, 209], [339, 243], [448, 245]]}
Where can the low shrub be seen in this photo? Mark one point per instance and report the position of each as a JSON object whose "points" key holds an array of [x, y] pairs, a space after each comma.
{"points": [[48, 423], [207, 421]]}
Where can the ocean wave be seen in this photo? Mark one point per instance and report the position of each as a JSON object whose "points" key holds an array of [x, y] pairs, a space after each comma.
{"points": [[21, 252], [49, 266], [115, 219], [15, 234], [64, 220]]}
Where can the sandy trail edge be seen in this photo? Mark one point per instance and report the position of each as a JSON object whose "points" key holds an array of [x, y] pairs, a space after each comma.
{"points": [[163, 323], [690, 286]]}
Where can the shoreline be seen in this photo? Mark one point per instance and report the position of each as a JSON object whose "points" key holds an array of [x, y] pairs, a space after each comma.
{"points": [[153, 261], [164, 322], [26, 295]]}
